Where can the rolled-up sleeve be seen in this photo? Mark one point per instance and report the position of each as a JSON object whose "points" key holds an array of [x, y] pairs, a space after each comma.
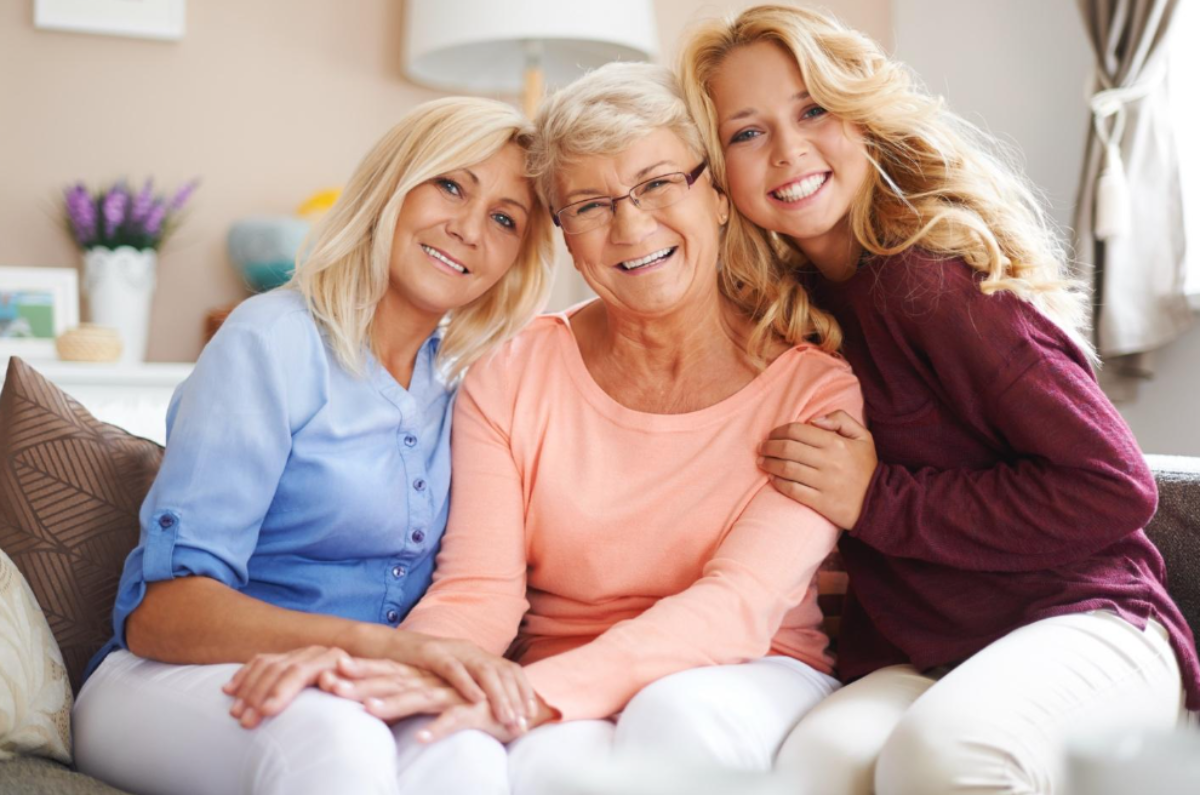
{"points": [[229, 435]]}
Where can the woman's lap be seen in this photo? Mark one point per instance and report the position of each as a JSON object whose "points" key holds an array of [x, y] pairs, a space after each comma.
{"points": [[996, 722], [157, 728], [731, 717]]}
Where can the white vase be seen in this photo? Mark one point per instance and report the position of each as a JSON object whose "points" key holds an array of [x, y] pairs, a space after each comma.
{"points": [[120, 288]]}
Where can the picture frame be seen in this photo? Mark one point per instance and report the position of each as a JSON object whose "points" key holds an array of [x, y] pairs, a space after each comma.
{"points": [[37, 305], [143, 19]]}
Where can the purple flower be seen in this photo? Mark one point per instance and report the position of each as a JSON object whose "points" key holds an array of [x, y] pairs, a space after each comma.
{"points": [[142, 203], [181, 197], [81, 212], [154, 219], [114, 207]]}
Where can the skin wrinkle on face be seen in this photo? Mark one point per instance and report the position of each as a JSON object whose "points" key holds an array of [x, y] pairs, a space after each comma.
{"points": [[690, 225], [773, 135], [477, 216]]}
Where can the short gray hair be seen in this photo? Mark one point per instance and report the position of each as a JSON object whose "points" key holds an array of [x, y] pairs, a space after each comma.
{"points": [[603, 113]]}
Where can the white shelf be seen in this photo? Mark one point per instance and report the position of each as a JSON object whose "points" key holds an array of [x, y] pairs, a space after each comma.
{"points": [[130, 396]]}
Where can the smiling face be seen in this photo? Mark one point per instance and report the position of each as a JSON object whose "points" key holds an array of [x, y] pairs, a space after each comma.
{"points": [[646, 262], [459, 233], [792, 167]]}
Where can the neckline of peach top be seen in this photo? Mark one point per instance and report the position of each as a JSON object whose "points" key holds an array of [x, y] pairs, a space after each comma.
{"points": [[627, 417]]}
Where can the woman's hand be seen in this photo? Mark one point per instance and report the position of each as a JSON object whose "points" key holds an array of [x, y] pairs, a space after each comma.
{"points": [[391, 693], [269, 682], [827, 465], [475, 674]]}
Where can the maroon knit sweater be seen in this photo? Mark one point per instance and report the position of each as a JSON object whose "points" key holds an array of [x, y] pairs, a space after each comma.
{"points": [[1009, 489]]}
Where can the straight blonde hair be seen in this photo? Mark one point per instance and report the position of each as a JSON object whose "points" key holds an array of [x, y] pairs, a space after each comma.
{"points": [[938, 183], [345, 274]]}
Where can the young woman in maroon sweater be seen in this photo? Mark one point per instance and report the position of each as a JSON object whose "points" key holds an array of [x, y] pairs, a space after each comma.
{"points": [[1002, 592]]}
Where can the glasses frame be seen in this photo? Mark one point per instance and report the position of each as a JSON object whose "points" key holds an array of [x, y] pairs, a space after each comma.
{"points": [[690, 177]]}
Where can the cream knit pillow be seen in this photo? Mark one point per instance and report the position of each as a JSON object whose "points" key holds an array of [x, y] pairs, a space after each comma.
{"points": [[35, 697]]}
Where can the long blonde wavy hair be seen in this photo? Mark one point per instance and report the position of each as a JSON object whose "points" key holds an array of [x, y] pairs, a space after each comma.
{"points": [[938, 183], [345, 274]]}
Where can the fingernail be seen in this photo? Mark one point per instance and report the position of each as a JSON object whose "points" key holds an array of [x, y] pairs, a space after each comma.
{"points": [[523, 724], [238, 708], [821, 419], [249, 718], [373, 702], [424, 736], [532, 708]]}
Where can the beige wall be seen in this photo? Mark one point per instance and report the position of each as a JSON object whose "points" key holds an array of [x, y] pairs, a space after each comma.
{"points": [[265, 100]]}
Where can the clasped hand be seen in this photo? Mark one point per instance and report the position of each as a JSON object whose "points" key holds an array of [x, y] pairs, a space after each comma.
{"points": [[437, 668]]}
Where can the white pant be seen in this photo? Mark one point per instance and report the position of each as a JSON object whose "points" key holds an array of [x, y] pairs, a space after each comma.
{"points": [[156, 728], [994, 724], [715, 719]]}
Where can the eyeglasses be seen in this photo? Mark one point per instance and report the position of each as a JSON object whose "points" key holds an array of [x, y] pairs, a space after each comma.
{"points": [[594, 212]]}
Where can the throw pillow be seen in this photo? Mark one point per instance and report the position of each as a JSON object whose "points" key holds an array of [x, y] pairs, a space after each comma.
{"points": [[35, 700], [70, 490]]}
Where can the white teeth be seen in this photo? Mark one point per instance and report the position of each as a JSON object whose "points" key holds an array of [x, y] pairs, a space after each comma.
{"points": [[801, 189], [641, 262], [444, 259]]}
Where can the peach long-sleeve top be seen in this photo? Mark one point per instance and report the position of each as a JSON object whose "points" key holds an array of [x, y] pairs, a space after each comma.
{"points": [[610, 547]]}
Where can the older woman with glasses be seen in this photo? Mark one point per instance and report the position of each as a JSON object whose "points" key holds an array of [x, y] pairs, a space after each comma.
{"points": [[609, 527]]}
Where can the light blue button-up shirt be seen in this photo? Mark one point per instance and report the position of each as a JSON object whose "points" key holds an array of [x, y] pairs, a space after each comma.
{"points": [[294, 481]]}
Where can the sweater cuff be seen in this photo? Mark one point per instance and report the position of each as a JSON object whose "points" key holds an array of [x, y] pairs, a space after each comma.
{"points": [[872, 514], [570, 693]]}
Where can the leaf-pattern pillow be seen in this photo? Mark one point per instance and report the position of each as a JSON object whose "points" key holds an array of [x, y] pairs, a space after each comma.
{"points": [[35, 698], [70, 490]]}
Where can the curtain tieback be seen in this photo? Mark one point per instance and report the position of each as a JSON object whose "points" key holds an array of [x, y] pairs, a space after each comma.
{"points": [[1114, 208]]}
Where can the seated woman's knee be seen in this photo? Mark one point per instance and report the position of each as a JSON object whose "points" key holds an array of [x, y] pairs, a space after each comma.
{"points": [[682, 715], [319, 734], [951, 756]]}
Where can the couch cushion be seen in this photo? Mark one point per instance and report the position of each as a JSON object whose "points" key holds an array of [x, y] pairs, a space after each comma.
{"points": [[1175, 529], [27, 775], [70, 490]]}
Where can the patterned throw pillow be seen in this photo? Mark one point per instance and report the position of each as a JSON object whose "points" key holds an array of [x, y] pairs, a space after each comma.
{"points": [[35, 700], [70, 490]]}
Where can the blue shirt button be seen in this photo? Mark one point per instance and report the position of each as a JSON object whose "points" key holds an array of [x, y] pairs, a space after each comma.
{"points": [[410, 441], [398, 572], [418, 536], [393, 616], [166, 521], [419, 484]]}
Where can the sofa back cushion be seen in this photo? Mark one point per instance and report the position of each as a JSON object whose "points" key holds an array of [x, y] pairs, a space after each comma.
{"points": [[1175, 530], [70, 491]]}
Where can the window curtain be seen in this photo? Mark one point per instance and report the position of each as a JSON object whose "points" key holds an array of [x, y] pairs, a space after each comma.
{"points": [[1129, 233]]}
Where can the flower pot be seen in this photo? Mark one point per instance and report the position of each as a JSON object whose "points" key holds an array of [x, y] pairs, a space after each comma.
{"points": [[120, 287]]}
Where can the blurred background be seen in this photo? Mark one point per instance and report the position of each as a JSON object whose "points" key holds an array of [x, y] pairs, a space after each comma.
{"points": [[271, 101]]}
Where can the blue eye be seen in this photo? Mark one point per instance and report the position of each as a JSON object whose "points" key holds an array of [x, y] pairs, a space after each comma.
{"points": [[448, 186], [813, 112], [505, 220], [745, 136]]}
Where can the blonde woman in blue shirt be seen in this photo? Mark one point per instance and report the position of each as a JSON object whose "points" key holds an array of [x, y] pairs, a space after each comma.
{"points": [[305, 486]]}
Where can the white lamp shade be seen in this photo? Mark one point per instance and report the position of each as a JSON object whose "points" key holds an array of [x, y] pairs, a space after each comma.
{"points": [[484, 45]]}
